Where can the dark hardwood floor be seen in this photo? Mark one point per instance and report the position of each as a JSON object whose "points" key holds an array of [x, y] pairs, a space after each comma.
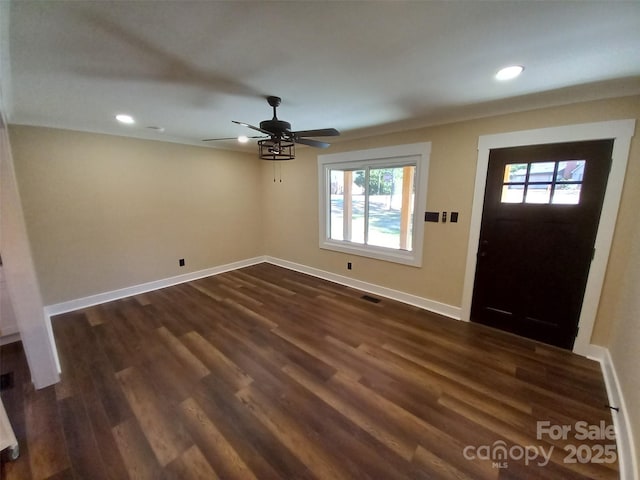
{"points": [[267, 373]]}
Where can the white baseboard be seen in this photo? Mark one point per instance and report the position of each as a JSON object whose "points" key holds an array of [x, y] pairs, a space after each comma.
{"points": [[627, 460], [424, 303], [85, 302]]}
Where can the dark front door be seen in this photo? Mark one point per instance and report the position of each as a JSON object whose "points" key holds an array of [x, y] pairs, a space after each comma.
{"points": [[541, 211]]}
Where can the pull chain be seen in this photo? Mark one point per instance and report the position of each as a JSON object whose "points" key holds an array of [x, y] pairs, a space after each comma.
{"points": [[279, 171]]}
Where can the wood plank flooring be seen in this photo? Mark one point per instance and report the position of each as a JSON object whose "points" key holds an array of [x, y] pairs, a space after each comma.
{"points": [[266, 373]]}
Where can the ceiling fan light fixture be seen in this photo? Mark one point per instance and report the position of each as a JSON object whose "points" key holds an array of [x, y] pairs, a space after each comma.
{"points": [[275, 149], [243, 139], [126, 119], [509, 73]]}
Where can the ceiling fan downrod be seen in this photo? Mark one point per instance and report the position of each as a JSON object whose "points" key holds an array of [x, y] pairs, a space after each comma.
{"points": [[275, 103]]}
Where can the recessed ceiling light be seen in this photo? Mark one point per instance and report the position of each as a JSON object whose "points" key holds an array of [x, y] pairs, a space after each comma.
{"points": [[126, 119], [510, 72], [243, 139]]}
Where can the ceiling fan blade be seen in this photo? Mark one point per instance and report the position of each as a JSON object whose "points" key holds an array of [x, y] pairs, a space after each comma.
{"points": [[232, 138], [321, 132], [266, 132], [216, 139], [312, 143]]}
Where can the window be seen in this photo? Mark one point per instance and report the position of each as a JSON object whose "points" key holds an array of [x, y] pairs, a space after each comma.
{"points": [[370, 199], [557, 183]]}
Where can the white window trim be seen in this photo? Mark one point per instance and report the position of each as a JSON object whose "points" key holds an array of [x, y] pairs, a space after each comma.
{"points": [[387, 156]]}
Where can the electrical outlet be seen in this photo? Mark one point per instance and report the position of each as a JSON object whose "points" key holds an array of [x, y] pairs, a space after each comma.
{"points": [[348, 265], [181, 262]]}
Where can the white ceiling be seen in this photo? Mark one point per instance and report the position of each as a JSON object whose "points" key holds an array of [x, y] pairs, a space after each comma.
{"points": [[362, 67]]}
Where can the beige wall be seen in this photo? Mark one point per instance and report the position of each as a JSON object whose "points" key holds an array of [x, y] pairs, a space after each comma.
{"points": [[624, 344], [106, 212], [620, 304], [292, 219]]}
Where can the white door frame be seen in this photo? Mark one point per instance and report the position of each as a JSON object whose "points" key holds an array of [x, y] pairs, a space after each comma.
{"points": [[622, 132]]}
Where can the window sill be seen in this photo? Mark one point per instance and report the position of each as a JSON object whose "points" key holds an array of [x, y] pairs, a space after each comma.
{"points": [[379, 253]]}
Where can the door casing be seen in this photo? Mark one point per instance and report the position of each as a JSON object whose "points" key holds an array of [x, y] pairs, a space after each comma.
{"points": [[619, 130]]}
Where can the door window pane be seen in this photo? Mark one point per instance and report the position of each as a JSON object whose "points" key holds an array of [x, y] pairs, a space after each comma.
{"points": [[515, 172], [538, 193], [556, 183], [567, 194], [541, 172], [570, 171], [512, 193]]}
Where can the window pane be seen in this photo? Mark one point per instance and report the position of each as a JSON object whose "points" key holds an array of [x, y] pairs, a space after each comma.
{"points": [[567, 194], [337, 204], [541, 172], [512, 194], [570, 171], [540, 193], [347, 205], [391, 192], [515, 172]]}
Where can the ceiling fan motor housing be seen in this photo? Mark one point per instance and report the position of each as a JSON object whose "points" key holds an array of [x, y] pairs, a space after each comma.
{"points": [[275, 126]]}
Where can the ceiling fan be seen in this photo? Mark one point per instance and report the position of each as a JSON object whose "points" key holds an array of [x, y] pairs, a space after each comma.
{"points": [[278, 140]]}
